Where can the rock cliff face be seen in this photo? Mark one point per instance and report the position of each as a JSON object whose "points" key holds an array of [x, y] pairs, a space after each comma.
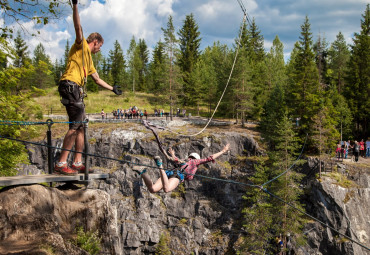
{"points": [[202, 218], [342, 204], [35, 218]]}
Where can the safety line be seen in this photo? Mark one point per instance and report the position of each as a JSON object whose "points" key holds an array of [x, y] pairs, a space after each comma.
{"points": [[202, 176], [315, 219], [25, 123], [290, 166], [125, 161]]}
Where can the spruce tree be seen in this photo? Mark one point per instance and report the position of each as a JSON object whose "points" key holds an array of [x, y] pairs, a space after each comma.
{"points": [[303, 83], [133, 61], [117, 64], [287, 219], [66, 54], [252, 60], [320, 48], [357, 90], [257, 217], [189, 54], [143, 55], [21, 49], [158, 69], [171, 46], [276, 73], [43, 76], [338, 57], [91, 86]]}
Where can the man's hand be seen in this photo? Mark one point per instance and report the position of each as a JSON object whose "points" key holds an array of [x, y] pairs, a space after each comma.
{"points": [[117, 90], [74, 1]]}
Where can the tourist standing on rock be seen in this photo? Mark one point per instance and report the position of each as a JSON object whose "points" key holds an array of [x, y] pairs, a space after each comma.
{"points": [[102, 113], [346, 148], [356, 150], [71, 90], [185, 170], [362, 148], [368, 148]]}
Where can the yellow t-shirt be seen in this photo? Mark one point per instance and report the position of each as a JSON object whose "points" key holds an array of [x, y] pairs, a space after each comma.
{"points": [[75, 71]]}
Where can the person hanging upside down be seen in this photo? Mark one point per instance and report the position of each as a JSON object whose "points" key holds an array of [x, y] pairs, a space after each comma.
{"points": [[185, 170]]}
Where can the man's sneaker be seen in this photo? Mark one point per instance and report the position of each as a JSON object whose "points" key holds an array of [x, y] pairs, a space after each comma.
{"points": [[79, 167], [158, 160], [64, 169]]}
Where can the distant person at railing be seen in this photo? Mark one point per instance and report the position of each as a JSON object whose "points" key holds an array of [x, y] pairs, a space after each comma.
{"points": [[362, 148], [356, 150], [368, 148], [72, 92], [102, 113]]}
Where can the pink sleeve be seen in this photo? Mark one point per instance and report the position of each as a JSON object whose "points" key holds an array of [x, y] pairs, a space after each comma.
{"points": [[203, 160]]}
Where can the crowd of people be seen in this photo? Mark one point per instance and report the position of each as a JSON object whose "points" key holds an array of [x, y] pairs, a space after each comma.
{"points": [[135, 113], [357, 149], [131, 113]]}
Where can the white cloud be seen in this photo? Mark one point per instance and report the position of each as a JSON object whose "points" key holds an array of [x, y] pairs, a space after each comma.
{"points": [[218, 20]]}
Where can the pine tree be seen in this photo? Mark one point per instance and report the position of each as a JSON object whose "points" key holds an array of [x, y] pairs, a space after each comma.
{"points": [[303, 86], [133, 61], [357, 90], [158, 69], [189, 55], [91, 86], [321, 50], [287, 219], [253, 61], [338, 57], [275, 65], [117, 64], [143, 54], [257, 217], [171, 46], [21, 49], [325, 134], [43, 75], [273, 113]]}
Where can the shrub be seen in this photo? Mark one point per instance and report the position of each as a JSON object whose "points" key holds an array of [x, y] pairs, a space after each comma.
{"points": [[88, 241]]}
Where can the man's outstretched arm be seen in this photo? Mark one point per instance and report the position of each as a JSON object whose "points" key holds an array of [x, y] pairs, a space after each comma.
{"points": [[77, 22]]}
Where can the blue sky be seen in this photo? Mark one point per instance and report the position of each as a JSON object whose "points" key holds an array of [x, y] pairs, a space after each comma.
{"points": [[218, 20]]}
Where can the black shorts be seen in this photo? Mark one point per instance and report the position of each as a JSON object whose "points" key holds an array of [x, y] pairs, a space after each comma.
{"points": [[72, 99]]}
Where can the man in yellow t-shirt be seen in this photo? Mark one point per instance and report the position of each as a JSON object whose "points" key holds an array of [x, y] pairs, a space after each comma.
{"points": [[79, 66]]}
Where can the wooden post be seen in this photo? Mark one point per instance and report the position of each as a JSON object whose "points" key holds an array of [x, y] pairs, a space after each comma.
{"points": [[86, 141], [50, 150]]}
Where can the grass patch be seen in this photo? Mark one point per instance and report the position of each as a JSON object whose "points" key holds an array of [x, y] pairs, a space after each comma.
{"points": [[180, 192], [104, 99], [341, 180]]}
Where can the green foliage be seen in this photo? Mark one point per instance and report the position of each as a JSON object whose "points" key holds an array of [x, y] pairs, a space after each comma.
{"points": [[338, 57], [303, 86], [20, 10], [117, 64], [88, 241], [180, 191], [189, 38], [257, 216], [357, 90], [162, 246]]}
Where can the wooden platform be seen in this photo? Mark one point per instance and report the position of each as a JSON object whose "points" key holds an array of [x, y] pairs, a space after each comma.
{"points": [[34, 179]]}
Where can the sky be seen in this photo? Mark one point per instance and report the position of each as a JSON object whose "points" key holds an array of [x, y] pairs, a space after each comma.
{"points": [[218, 20]]}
